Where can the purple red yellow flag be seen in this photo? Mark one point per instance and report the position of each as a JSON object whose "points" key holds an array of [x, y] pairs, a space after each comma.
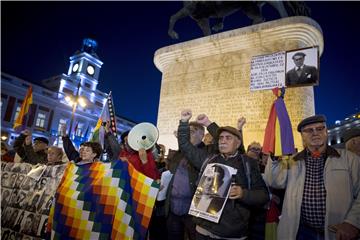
{"points": [[279, 138], [102, 201], [21, 118]]}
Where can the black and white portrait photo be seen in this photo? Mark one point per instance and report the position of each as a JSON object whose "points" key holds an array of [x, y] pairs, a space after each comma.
{"points": [[28, 183], [5, 197], [212, 192], [20, 178], [302, 68]]}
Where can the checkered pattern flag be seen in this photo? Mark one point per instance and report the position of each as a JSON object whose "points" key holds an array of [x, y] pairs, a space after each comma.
{"points": [[102, 201]]}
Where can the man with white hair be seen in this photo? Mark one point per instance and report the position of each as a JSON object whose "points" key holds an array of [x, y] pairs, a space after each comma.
{"points": [[322, 187]]}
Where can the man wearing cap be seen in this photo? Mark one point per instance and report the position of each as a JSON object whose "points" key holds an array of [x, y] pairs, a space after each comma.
{"points": [[31, 153], [248, 189], [301, 73], [322, 187], [352, 140]]}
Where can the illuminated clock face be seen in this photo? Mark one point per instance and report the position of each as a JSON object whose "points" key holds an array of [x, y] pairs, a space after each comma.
{"points": [[90, 70], [75, 67]]}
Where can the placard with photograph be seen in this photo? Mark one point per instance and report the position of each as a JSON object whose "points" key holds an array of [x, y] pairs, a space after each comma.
{"points": [[26, 197], [295, 68], [302, 67], [212, 192]]}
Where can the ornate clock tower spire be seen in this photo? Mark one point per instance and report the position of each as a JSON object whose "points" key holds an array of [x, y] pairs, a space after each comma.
{"points": [[85, 65]]}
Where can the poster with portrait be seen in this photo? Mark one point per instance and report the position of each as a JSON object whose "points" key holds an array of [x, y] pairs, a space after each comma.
{"points": [[212, 192], [294, 68], [302, 67], [27, 192]]}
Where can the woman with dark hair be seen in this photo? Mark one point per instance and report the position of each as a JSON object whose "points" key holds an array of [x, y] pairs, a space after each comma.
{"points": [[90, 153]]}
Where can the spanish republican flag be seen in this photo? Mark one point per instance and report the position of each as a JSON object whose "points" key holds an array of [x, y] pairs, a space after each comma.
{"points": [[279, 138], [21, 118]]}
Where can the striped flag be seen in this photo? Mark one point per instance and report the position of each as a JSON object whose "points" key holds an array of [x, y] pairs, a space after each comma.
{"points": [[102, 201], [107, 114], [279, 138], [20, 121]]}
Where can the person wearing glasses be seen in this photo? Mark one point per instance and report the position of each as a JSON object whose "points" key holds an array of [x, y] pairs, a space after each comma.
{"points": [[322, 199], [301, 74], [254, 151]]}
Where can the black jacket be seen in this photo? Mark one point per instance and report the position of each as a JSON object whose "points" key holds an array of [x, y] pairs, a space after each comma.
{"points": [[26, 152], [111, 145], [235, 216]]}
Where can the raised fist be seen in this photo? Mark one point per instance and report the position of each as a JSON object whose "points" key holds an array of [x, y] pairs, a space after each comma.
{"points": [[203, 120], [241, 123], [63, 130], [186, 114], [107, 126], [26, 132]]}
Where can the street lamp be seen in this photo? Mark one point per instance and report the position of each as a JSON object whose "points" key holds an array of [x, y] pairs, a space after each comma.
{"points": [[74, 101]]}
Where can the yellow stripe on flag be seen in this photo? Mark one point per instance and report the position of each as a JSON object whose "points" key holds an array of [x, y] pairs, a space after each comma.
{"points": [[278, 149], [28, 100]]}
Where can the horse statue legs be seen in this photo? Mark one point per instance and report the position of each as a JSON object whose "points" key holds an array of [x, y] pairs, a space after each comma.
{"points": [[184, 12]]}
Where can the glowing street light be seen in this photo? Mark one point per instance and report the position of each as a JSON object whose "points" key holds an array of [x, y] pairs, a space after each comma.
{"points": [[73, 101]]}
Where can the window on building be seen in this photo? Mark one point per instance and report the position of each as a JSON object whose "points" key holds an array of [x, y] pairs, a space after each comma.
{"points": [[88, 85], [17, 112], [40, 120], [67, 91], [79, 129], [62, 122]]}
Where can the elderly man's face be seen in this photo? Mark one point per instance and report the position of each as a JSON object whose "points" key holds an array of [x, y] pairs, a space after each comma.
{"points": [[228, 143], [353, 145], [299, 60], [314, 135], [196, 135]]}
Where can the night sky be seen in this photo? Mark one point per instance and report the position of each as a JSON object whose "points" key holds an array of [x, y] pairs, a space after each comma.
{"points": [[39, 37]]}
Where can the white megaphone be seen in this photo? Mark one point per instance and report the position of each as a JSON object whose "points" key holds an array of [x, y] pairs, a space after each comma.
{"points": [[143, 135]]}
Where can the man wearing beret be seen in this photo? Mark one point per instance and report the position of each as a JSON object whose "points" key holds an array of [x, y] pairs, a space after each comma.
{"points": [[352, 140], [322, 199], [29, 152], [248, 189], [301, 74]]}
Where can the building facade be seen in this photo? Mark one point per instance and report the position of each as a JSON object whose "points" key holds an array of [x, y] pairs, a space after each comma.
{"points": [[336, 132], [70, 99]]}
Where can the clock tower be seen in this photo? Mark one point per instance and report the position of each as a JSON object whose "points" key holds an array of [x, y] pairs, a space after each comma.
{"points": [[85, 65]]}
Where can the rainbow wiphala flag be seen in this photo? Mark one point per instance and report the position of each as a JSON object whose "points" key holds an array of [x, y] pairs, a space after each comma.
{"points": [[102, 201]]}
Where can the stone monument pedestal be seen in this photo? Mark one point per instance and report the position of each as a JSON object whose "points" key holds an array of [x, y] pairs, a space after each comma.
{"points": [[211, 75]]}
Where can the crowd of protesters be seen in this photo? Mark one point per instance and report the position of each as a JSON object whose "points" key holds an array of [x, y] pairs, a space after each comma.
{"points": [[313, 194]]}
